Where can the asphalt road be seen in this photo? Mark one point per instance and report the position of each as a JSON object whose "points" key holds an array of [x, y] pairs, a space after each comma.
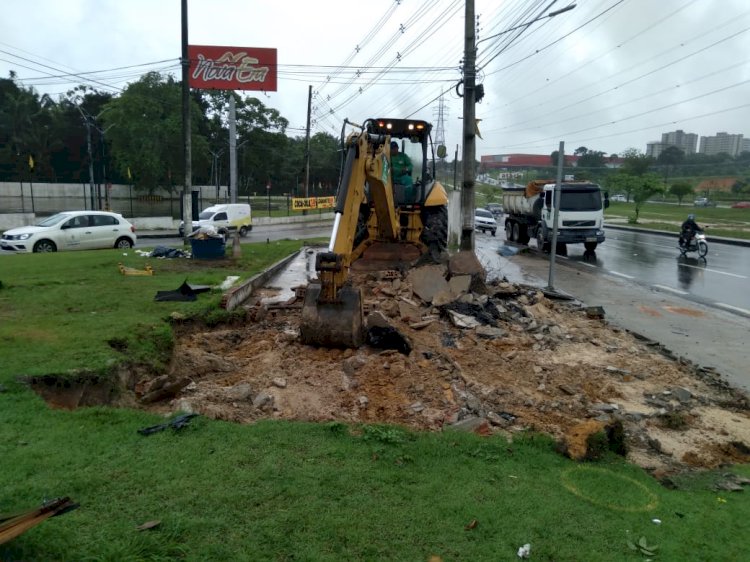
{"points": [[654, 261]]}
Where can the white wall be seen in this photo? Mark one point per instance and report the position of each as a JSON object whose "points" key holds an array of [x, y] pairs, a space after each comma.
{"points": [[119, 191]]}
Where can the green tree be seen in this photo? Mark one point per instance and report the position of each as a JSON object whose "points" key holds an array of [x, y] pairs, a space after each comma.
{"points": [[592, 159], [680, 189], [669, 159], [635, 163], [641, 187], [146, 132]]}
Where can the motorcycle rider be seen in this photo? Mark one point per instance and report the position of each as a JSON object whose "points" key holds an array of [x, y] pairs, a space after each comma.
{"points": [[688, 230]]}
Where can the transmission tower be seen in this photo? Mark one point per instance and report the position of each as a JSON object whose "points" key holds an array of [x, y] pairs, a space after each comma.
{"points": [[440, 111]]}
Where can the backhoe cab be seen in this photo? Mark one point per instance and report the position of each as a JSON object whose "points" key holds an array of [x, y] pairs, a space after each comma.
{"points": [[381, 222]]}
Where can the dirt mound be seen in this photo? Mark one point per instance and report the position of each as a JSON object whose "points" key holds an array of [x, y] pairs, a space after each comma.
{"points": [[508, 360]]}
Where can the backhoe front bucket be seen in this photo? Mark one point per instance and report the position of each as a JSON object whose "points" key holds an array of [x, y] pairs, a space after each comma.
{"points": [[332, 324]]}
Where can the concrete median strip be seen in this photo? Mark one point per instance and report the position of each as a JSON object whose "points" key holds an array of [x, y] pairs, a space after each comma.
{"points": [[239, 294]]}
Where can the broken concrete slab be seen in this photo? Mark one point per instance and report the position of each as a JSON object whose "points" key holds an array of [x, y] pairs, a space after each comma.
{"points": [[427, 281]]}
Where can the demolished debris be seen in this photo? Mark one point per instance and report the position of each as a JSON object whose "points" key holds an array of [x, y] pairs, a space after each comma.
{"points": [[517, 361]]}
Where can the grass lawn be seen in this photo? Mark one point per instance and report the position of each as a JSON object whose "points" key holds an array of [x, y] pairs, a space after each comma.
{"points": [[283, 491]]}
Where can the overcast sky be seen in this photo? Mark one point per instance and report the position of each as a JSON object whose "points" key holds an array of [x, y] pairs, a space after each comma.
{"points": [[608, 75]]}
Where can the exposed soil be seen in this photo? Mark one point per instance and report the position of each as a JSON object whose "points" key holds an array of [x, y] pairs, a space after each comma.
{"points": [[547, 365]]}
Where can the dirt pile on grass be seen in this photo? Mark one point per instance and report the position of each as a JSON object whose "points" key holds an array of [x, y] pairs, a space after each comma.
{"points": [[509, 359]]}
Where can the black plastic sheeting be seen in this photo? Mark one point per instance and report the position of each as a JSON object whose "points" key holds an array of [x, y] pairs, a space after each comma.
{"points": [[388, 338], [184, 292], [165, 252]]}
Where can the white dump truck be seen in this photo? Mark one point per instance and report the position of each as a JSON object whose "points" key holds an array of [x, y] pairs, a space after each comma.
{"points": [[529, 214]]}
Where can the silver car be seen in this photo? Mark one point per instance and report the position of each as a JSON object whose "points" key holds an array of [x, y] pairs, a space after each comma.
{"points": [[71, 230], [485, 221]]}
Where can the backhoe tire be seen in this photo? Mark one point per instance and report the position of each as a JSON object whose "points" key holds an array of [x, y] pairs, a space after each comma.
{"points": [[435, 231]]}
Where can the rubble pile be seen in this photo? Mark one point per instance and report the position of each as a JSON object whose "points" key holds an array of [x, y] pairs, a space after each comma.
{"points": [[447, 351]]}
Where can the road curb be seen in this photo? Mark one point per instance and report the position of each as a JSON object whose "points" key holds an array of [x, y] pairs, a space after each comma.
{"points": [[237, 295], [717, 239]]}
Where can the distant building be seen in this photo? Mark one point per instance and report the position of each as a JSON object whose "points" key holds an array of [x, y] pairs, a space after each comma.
{"points": [[655, 148], [687, 142], [722, 142], [745, 145], [511, 161]]}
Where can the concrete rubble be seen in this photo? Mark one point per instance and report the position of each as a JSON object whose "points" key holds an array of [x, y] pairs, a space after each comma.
{"points": [[454, 353]]}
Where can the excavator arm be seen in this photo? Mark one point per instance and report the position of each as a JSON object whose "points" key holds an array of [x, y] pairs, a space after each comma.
{"points": [[332, 310]]}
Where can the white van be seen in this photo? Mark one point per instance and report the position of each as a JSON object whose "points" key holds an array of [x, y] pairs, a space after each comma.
{"points": [[224, 218]]}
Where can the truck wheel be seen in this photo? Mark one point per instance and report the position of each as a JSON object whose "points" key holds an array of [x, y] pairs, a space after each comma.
{"points": [[590, 246], [516, 232], [243, 231], [509, 231], [435, 231], [523, 234]]}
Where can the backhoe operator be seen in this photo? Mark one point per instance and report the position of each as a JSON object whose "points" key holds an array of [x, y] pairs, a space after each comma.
{"points": [[401, 164]]}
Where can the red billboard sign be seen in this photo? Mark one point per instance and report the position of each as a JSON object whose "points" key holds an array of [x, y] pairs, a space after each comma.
{"points": [[232, 68]]}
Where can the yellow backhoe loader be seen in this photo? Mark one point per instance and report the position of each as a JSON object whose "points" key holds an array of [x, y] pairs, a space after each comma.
{"points": [[381, 222]]}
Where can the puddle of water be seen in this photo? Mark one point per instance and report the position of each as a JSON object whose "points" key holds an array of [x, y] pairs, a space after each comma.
{"points": [[299, 271]]}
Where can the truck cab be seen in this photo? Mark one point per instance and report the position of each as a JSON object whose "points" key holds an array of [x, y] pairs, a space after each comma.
{"points": [[530, 214]]}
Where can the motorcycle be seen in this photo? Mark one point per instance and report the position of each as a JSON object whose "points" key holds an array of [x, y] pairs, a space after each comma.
{"points": [[696, 244]]}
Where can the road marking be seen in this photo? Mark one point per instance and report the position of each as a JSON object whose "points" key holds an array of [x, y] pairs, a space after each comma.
{"points": [[735, 308], [588, 264], [670, 289], [621, 274], [713, 270]]}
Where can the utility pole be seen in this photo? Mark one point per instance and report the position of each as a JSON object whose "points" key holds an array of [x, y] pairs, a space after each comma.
{"points": [[187, 189], [91, 159], [469, 132], [307, 144], [556, 216]]}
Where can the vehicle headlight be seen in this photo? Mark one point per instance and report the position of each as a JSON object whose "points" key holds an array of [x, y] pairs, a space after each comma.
{"points": [[23, 236]]}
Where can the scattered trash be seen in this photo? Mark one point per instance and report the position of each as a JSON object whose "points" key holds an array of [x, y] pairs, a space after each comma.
{"points": [[507, 251], [148, 525], [177, 423], [731, 482], [228, 282], [388, 338], [656, 521], [594, 311], [472, 525], [524, 551], [165, 252], [463, 320], [643, 547], [132, 271], [14, 524], [184, 292]]}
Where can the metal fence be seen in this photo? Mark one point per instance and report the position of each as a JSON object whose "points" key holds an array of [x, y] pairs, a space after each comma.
{"points": [[48, 199]]}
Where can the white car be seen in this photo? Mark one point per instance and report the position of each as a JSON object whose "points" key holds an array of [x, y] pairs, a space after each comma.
{"points": [[71, 230], [484, 221], [618, 197]]}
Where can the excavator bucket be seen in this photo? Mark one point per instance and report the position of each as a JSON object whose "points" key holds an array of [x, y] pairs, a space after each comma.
{"points": [[382, 256], [332, 324]]}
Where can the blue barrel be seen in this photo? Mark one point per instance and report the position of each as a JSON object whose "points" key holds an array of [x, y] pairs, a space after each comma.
{"points": [[208, 248]]}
